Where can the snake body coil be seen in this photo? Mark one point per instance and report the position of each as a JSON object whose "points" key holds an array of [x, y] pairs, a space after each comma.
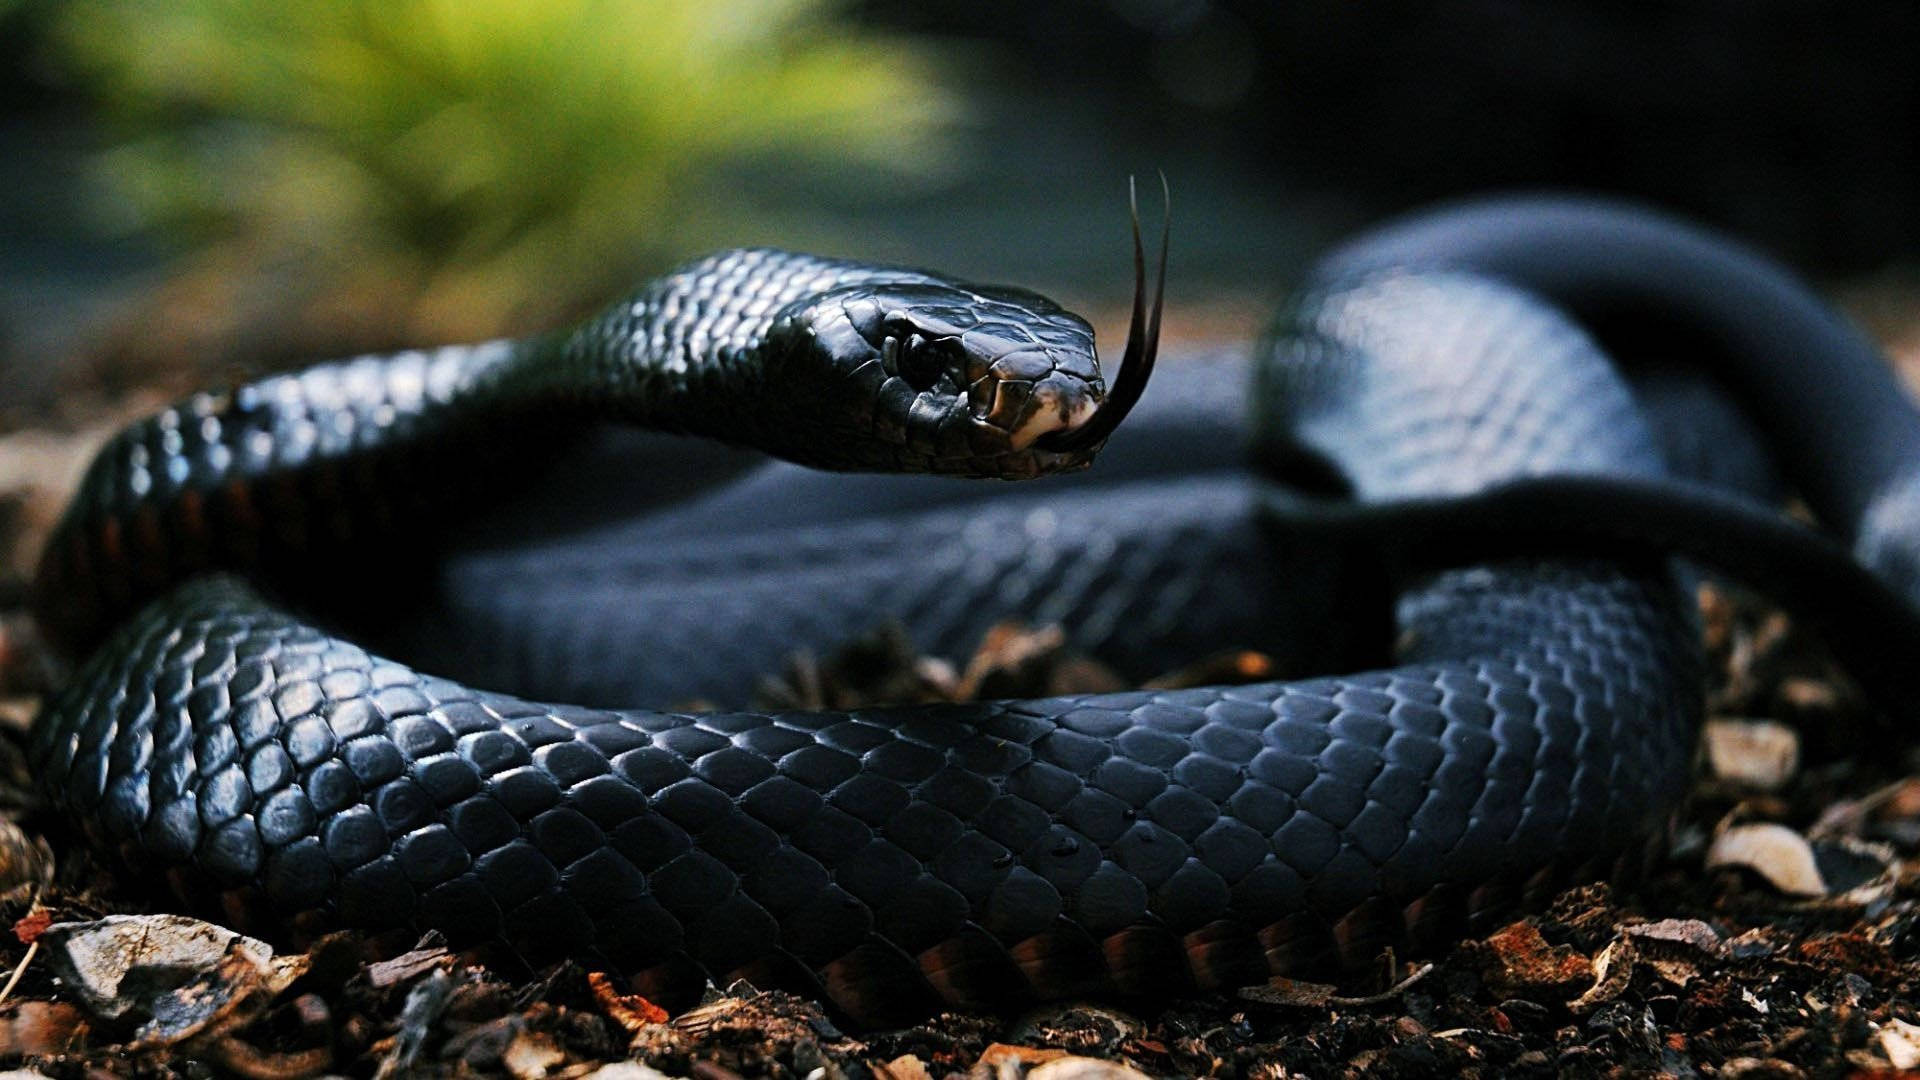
{"points": [[1536, 722]]}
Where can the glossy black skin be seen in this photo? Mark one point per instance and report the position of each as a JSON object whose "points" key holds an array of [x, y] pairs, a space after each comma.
{"points": [[299, 475], [1533, 722]]}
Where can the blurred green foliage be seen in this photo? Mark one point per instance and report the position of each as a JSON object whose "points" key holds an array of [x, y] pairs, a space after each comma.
{"points": [[492, 160]]}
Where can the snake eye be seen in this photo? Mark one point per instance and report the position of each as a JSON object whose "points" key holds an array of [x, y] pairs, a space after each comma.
{"points": [[914, 358]]}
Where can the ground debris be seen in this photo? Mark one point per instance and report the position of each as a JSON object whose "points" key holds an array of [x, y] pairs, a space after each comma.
{"points": [[408, 966], [1686, 972], [40, 1028], [631, 1011], [1779, 854], [25, 861], [1759, 754], [1779, 938], [1520, 963], [178, 979], [1014, 660]]}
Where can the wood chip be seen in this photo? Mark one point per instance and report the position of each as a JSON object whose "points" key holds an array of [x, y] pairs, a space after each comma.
{"points": [[1778, 854], [1900, 1042], [1085, 1068], [1689, 934], [904, 1067], [631, 1011], [627, 1070], [1612, 972], [532, 1055], [183, 978], [246, 1060], [408, 966], [1750, 1068], [1295, 993], [30, 926], [1759, 754], [1519, 963], [36, 1028], [1001, 1061]]}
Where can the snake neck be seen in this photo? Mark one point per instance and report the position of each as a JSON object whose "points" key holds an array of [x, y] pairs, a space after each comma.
{"points": [[287, 472], [698, 351], [293, 472], [632, 364]]}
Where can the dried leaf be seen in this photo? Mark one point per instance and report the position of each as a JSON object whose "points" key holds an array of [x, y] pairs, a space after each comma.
{"points": [[1612, 971], [1077, 1027], [1690, 934], [1900, 1042], [1758, 754], [31, 925], [95, 958], [1520, 963], [1292, 992], [1748, 1068], [185, 979], [904, 1067], [25, 862], [1011, 657], [229, 997], [1004, 1060], [627, 1070], [631, 1011], [408, 966], [1673, 947], [1895, 805], [1677, 972], [40, 1027], [1778, 854], [1716, 617], [1085, 1068], [246, 1060], [1904, 799], [532, 1055]]}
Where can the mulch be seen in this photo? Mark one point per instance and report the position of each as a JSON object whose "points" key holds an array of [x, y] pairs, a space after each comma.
{"points": [[1777, 937]]}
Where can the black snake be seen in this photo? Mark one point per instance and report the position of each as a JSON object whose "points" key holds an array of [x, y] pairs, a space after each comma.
{"points": [[1449, 475]]}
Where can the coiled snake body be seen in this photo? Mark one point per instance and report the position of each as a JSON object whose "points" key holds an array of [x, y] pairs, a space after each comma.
{"points": [[1438, 397]]}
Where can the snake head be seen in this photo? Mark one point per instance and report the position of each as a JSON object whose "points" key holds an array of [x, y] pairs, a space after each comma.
{"points": [[923, 375], [905, 371], [927, 376]]}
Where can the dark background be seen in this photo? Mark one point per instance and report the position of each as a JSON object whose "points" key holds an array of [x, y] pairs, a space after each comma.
{"points": [[1794, 123], [1281, 127]]}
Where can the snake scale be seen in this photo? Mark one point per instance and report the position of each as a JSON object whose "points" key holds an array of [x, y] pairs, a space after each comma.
{"points": [[1470, 466]]}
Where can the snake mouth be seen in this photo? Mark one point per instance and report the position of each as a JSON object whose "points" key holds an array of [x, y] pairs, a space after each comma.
{"points": [[1143, 343], [1055, 414]]}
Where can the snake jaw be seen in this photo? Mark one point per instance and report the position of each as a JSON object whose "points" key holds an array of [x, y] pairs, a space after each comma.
{"points": [[1052, 412], [1143, 341]]}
